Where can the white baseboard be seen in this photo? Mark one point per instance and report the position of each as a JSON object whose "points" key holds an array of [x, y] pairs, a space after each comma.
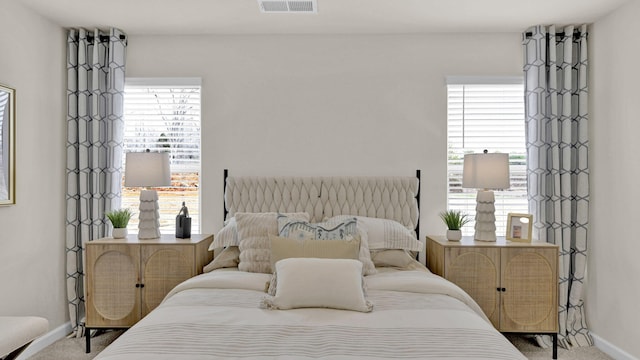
{"points": [[46, 340], [610, 349]]}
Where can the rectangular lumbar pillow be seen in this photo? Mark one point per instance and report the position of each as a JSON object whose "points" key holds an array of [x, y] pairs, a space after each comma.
{"points": [[342, 229], [317, 283], [284, 248]]}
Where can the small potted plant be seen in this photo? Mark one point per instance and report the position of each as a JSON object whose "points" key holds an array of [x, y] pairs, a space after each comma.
{"points": [[455, 220], [119, 219]]}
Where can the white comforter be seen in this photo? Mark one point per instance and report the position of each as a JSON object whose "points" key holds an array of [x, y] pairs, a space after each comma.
{"points": [[416, 315]]}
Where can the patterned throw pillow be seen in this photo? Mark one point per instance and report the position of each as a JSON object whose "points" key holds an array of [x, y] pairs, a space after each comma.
{"points": [[345, 229], [302, 230]]}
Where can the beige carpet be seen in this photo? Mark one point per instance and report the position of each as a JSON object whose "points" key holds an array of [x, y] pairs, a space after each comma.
{"points": [[73, 349], [528, 346]]}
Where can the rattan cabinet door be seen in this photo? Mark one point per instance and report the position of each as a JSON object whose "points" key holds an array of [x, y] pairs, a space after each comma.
{"points": [[164, 267], [529, 298], [113, 299], [477, 271]]}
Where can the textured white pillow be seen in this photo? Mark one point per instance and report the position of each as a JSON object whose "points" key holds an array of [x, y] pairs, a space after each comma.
{"points": [[385, 233], [318, 283], [253, 235]]}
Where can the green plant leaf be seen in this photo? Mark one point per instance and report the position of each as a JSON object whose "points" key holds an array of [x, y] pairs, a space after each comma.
{"points": [[119, 218], [454, 219]]}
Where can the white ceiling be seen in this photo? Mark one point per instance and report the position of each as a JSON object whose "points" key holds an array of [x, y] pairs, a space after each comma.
{"points": [[334, 16]]}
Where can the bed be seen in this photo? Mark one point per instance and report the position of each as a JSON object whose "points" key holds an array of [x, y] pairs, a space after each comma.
{"points": [[316, 307]]}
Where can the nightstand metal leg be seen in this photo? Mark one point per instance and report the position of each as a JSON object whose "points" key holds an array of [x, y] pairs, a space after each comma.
{"points": [[555, 345], [87, 335]]}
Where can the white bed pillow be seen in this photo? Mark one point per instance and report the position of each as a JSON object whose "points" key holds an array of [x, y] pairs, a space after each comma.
{"points": [[229, 257], [330, 230], [227, 236], [391, 258], [318, 283], [253, 237], [385, 233]]}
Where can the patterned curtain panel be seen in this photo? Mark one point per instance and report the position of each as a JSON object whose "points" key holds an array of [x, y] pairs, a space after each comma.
{"points": [[95, 89], [556, 96]]}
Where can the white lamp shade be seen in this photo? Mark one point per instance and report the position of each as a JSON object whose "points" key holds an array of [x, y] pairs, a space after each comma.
{"points": [[486, 171], [147, 169]]}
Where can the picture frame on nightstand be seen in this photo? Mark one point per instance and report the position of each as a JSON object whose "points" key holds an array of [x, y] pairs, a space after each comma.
{"points": [[519, 227]]}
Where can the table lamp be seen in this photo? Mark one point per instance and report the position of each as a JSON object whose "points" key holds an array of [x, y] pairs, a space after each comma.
{"points": [[147, 169], [485, 172]]}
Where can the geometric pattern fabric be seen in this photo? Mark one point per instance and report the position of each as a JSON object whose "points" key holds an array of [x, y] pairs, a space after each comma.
{"points": [[556, 118], [95, 89]]}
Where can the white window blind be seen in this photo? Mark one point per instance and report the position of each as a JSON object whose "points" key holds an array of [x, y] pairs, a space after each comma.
{"points": [[165, 117], [488, 116]]}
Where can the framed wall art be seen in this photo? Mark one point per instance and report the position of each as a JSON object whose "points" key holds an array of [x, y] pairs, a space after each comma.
{"points": [[7, 145], [519, 227]]}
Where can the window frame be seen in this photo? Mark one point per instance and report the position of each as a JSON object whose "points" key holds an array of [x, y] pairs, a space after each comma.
{"points": [[168, 211], [513, 200]]}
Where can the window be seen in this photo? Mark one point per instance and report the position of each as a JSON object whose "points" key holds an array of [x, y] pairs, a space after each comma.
{"points": [[486, 114], [164, 115]]}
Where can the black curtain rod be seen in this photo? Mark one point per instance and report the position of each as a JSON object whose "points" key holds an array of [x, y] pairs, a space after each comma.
{"points": [[576, 33], [105, 37]]}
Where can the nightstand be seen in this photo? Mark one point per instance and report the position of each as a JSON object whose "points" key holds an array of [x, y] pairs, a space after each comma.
{"points": [[515, 284], [127, 278]]}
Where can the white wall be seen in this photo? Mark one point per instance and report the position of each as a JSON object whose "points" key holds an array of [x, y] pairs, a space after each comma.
{"points": [[32, 263], [311, 105], [324, 105], [280, 105], [317, 105], [376, 105], [613, 289]]}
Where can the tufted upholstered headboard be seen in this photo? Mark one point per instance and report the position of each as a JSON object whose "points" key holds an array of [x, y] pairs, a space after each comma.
{"points": [[395, 198]]}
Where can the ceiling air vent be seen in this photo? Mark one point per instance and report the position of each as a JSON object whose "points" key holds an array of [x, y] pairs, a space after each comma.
{"points": [[288, 6]]}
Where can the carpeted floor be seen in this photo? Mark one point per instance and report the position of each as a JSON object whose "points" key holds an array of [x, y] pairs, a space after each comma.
{"points": [[73, 349], [528, 346]]}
